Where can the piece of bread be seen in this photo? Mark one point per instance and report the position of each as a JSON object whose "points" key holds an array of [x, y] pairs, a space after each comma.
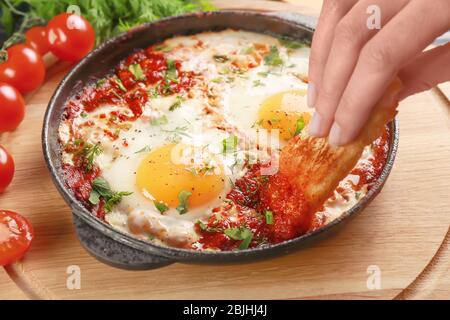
{"points": [[317, 167]]}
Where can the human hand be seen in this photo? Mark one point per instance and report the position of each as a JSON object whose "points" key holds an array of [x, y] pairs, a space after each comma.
{"points": [[351, 65]]}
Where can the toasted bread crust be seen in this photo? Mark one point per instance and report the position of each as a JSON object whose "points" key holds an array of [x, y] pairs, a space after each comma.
{"points": [[317, 167]]}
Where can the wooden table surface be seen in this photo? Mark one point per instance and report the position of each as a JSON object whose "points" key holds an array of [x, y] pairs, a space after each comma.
{"points": [[403, 233]]}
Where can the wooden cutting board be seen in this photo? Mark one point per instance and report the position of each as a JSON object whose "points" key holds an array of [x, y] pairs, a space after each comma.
{"points": [[399, 233]]}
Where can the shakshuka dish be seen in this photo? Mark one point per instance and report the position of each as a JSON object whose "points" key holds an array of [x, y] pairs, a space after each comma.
{"points": [[179, 145]]}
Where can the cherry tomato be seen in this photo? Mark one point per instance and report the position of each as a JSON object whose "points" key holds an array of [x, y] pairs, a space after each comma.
{"points": [[71, 36], [24, 69], [16, 235], [12, 108], [6, 169], [36, 38]]}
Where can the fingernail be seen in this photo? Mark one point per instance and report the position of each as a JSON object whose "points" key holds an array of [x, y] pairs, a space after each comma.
{"points": [[315, 125], [335, 135], [311, 100]]}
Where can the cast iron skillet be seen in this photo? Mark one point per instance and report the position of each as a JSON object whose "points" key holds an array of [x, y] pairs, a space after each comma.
{"points": [[120, 249]]}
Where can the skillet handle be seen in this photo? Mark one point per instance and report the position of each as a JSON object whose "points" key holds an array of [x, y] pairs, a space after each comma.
{"points": [[113, 253]]}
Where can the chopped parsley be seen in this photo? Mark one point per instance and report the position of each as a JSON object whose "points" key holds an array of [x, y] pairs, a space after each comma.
{"points": [[204, 227], [161, 206], [238, 234], [171, 73], [221, 58], [137, 72], [183, 197], [269, 216], [144, 149], [163, 48], [89, 153], [176, 104], [299, 126], [229, 144], [291, 43], [258, 83], [159, 121], [100, 83], [273, 57], [120, 84], [101, 189], [176, 134]]}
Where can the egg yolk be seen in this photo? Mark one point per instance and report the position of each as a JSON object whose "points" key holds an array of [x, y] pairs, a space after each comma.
{"points": [[161, 178], [285, 111]]}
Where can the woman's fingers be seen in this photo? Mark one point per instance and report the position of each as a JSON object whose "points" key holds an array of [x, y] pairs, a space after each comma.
{"points": [[426, 71], [400, 41], [350, 36], [332, 12]]}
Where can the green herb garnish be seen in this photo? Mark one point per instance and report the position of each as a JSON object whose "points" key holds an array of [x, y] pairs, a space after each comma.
{"points": [[204, 227], [144, 149], [171, 72], [258, 83], [176, 104], [137, 72], [240, 233], [273, 57], [120, 84], [89, 153], [161, 206], [269, 216], [182, 201], [159, 121], [300, 125], [291, 43], [229, 144], [101, 189]]}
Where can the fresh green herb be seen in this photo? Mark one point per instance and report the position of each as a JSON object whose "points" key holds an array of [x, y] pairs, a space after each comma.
{"points": [[182, 201], [171, 72], [300, 125], [89, 153], [100, 83], [161, 206], [269, 216], [151, 237], [291, 43], [120, 84], [176, 134], [221, 58], [249, 50], [273, 57], [84, 114], [163, 48], [240, 233], [229, 144], [159, 121], [258, 83], [217, 80], [176, 104], [101, 189], [110, 17], [136, 70], [204, 227], [144, 149], [78, 142], [153, 92], [263, 74]]}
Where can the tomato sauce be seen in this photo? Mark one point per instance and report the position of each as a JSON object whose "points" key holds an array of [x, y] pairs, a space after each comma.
{"points": [[130, 88], [254, 194]]}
